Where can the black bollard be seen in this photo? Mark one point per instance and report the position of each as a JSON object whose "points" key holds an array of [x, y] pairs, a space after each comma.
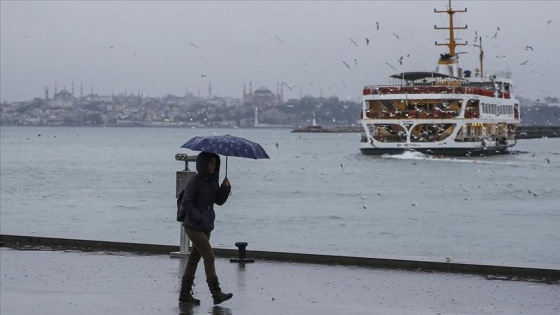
{"points": [[241, 249]]}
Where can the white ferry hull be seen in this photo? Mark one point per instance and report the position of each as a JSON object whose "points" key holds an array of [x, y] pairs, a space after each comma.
{"points": [[475, 150]]}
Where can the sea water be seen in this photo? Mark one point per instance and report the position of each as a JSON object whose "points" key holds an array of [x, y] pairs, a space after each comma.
{"points": [[316, 194]]}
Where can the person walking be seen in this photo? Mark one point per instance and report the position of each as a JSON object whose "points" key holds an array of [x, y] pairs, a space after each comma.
{"points": [[200, 195]]}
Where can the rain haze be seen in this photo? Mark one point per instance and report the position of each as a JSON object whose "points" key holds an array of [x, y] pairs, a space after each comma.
{"points": [[316, 48]]}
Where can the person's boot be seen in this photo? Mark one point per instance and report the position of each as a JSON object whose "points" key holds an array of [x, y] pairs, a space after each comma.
{"points": [[185, 295], [217, 293]]}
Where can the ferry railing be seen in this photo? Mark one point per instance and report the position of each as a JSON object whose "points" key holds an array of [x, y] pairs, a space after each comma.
{"points": [[417, 114], [430, 89]]}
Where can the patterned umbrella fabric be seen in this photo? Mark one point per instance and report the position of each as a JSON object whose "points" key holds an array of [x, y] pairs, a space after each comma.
{"points": [[228, 146]]}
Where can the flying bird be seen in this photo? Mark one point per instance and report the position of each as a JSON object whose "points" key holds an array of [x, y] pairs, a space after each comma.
{"points": [[367, 41], [377, 25], [529, 47], [548, 23], [347, 65], [193, 44], [278, 38], [397, 36], [524, 62], [390, 65], [284, 83], [111, 47], [400, 60], [353, 42], [355, 62]]}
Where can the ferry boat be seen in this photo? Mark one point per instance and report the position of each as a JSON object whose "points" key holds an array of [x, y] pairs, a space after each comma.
{"points": [[445, 112]]}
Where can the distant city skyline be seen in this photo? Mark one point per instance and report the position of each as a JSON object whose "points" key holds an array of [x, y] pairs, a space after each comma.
{"points": [[328, 48]]}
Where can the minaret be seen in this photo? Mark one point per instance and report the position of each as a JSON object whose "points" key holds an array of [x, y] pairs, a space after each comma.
{"points": [[55, 88], [251, 88], [244, 93], [209, 89], [81, 90], [72, 89], [256, 116], [47, 93]]}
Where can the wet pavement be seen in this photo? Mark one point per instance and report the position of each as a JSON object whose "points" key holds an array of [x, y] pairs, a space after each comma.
{"points": [[76, 282]]}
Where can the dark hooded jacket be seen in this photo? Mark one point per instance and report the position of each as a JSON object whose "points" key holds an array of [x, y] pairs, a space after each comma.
{"points": [[201, 193]]}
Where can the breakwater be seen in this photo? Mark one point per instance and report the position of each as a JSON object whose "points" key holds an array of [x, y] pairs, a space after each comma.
{"points": [[492, 271], [532, 132]]}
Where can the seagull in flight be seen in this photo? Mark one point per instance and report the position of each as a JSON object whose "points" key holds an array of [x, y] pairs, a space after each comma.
{"points": [[367, 41], [353, 42], [284, 83], [390, 65], [280, 40], [524, 62], [529, 47], [397, 36], [347, 66], [193, 44], [377, 25]]}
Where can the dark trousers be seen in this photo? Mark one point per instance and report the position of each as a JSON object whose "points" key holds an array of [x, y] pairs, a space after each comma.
{"points": [[201, 249]]}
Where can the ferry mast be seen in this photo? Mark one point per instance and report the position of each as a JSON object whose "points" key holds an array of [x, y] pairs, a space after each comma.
{"points": [[448, 63]]}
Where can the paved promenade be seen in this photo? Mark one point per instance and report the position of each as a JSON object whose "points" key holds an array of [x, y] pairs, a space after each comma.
{"points": [[64, 282]]}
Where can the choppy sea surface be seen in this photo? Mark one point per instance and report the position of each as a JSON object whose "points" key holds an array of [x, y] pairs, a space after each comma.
{"points": [[316, 194]]}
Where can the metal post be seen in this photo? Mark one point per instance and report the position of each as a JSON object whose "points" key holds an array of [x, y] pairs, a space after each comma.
{"points": [[182, 178], [241, 246]]}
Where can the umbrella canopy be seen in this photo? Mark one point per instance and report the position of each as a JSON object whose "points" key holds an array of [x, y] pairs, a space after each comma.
{"points": [[227, 145]]}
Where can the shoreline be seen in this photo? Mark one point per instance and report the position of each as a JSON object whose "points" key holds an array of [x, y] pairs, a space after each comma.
{"points": [[522, 132]]}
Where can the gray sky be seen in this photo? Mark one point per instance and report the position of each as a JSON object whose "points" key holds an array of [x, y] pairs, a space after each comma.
{"points": [[165, 47]]}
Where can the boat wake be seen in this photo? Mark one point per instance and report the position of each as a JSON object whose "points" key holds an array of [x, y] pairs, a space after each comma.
{"points": [[408, 155], [414, 155]]}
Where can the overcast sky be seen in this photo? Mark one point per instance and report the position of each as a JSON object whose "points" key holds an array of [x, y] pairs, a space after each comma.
{"points": [[167, 47]]}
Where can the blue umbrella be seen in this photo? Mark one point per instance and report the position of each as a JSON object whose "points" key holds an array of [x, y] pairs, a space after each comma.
{"points": [[227, 145]]}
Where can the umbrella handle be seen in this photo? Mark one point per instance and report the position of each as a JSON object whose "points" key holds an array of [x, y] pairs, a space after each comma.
{"points": [[226, 166]]}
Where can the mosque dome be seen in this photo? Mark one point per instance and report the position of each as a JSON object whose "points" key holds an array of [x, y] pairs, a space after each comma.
{"points": [[263, 90]]}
